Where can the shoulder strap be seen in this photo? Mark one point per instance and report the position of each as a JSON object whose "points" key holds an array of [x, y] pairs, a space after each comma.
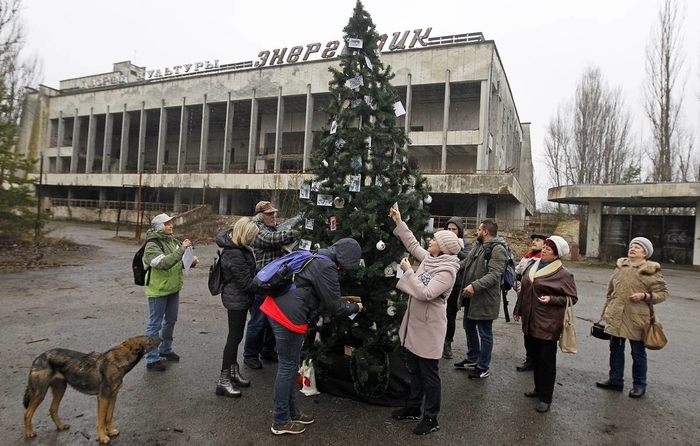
{"points": [[148, 268]]}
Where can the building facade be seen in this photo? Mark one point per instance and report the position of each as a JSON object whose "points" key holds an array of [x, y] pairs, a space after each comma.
{"points": [[226, 133]]}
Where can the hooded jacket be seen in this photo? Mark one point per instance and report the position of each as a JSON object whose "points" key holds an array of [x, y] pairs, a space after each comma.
{"points": [[545, 321], [624, 318], [317, 288], [464, 252], [238, 270], [166, 265], [424, 323]]}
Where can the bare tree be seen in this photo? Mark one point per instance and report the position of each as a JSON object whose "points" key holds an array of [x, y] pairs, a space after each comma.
{"points": [[662, 92], [588, 141], [16, 72]]}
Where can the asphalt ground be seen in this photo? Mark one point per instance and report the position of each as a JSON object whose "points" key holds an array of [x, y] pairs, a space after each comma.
{"points": [[93, 305]]}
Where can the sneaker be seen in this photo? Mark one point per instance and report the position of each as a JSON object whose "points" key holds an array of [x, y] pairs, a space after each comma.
{"points": [[407, 414], [253, 363], [290, 427], [172, 356], [304, 418], [426, 426], [272, 356], [157, 366], [479, 373], [465, 364], [447, 350]]}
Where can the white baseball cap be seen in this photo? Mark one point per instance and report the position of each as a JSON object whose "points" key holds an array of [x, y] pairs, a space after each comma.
{"points": [[158, 222]]}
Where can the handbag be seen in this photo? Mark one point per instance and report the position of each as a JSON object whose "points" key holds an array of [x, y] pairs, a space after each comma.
{"points": [[654, 336], [567, 341], [598, 330]]}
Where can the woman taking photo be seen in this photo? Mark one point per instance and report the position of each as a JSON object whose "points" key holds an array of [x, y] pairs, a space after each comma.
{"points": [[541, 304], [238, 270], [635, 284]]}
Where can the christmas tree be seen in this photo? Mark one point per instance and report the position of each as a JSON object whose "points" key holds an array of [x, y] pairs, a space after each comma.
{"points": [[360, 170]]}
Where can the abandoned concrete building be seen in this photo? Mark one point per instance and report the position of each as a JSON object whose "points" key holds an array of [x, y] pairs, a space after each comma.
{"points": [[226, 134]]}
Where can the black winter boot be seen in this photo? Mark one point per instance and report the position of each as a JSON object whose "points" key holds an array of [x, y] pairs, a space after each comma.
{"points": [[224, 387], [236, 378]]}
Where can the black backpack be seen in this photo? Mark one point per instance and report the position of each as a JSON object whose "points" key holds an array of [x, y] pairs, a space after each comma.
{"points": [[142, 274], [216, 281]]}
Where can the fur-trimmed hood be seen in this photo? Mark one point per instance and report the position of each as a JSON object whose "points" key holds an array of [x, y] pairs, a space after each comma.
{"points": [[647, 267]]}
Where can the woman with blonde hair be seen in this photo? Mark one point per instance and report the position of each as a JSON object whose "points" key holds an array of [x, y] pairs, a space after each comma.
{"points": [[238, 271]]}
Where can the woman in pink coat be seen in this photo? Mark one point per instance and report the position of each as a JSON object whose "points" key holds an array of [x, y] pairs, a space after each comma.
{"points": [[425, 322]]}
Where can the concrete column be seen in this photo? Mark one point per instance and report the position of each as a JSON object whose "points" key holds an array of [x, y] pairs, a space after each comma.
{"points": [[162, 133], [223, 202], [103, 197], [182, 145], [696, 246], [279, 130], [177, 201], [107, 151], [595, 220], [59, 144], [124, 147], [409, 106], [228, 135], [253, 133], [76, 137], [482, 155], [481, 208], [308, 128], [204, 139], [90, 155], [445, 123], [142, 138]]}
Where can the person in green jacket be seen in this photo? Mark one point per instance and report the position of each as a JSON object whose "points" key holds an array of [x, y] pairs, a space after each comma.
{"points": [[163, 259]]}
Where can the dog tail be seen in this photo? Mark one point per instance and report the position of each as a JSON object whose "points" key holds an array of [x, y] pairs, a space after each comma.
{"points": [[27, 397]]}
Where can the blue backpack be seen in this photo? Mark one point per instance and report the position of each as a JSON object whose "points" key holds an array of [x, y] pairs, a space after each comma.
{"points": [[277, 277], [508, 278]]}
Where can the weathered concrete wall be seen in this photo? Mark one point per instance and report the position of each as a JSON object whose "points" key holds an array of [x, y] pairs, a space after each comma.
{"points": [[127, 216]]}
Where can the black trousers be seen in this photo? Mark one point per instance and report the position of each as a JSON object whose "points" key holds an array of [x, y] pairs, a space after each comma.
{"points": [[544, 357], [425, 382], [452, 310], [236, 326]]}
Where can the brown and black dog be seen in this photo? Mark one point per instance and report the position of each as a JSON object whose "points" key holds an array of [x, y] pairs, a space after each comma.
{"points": [[93, 373]]}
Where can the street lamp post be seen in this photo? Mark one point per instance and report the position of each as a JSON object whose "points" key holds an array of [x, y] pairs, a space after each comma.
{"points": [[37, 225]]}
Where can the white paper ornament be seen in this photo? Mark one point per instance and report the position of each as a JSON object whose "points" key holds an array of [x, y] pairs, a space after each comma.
{"points": [[391, 310], [381, 245], [389, 271], [324, 163], [428, 199]]}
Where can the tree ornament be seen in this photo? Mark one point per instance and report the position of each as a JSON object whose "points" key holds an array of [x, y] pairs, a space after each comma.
{"points": [[428, 199], [324, 163], [381, 245]]}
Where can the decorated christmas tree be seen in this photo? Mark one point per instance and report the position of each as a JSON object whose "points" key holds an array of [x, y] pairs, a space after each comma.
{"points": [[360, 170]]}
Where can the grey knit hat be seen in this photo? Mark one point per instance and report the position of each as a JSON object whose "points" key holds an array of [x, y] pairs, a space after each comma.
{"points": [[644, 243]]}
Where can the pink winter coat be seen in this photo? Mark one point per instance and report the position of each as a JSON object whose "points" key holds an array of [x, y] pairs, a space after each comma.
{"points": [[425, 322]]}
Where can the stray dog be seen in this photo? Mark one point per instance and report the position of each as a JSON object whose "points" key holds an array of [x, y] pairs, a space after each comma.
{"points": [[93, 373]]}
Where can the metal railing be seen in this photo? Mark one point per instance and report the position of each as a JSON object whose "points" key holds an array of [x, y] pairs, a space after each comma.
{"points": [[124, 205]]}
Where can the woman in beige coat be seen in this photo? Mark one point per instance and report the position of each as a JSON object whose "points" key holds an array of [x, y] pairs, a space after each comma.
{"points": [[424, 324], [635, 284]]}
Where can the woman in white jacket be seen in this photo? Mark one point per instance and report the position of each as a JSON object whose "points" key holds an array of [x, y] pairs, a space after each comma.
{"points": [[424, 324]]}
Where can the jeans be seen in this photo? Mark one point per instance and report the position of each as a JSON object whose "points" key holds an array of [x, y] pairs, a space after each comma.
{"points": [[259, 338], [425, 382], [617, 362], [161, 323], [286, 382], [479, 341]]}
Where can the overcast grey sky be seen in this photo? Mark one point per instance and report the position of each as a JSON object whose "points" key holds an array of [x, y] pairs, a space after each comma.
{"points": [[544, 44]]}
